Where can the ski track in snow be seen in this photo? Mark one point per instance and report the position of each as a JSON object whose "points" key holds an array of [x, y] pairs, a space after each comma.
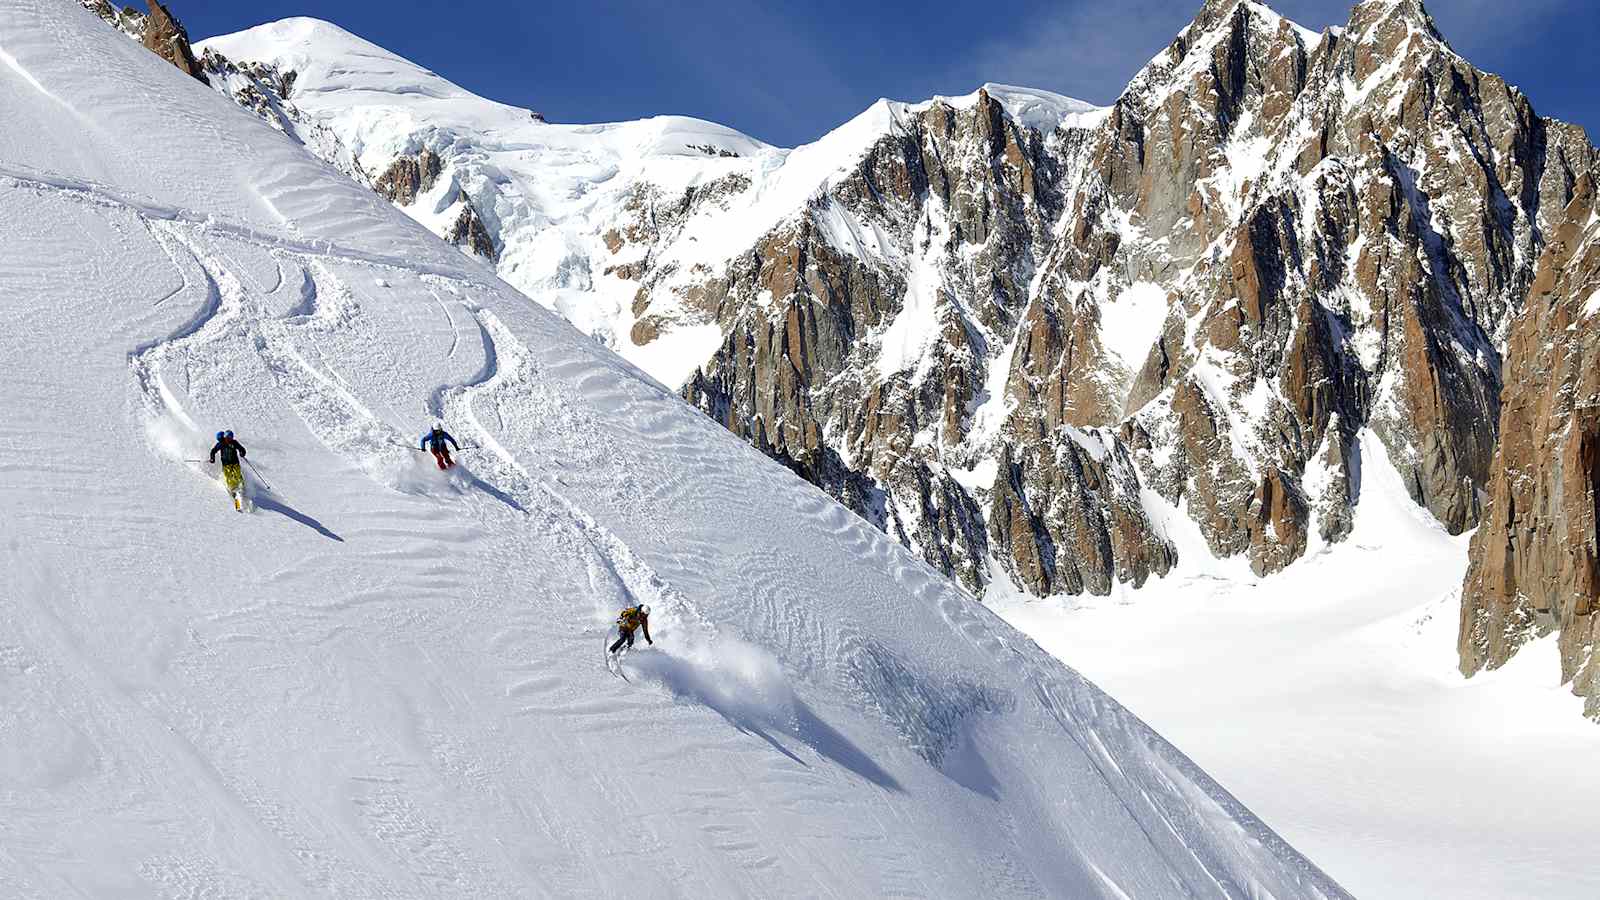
{"points": [[349, 429], [103, 195], [328, 410]]}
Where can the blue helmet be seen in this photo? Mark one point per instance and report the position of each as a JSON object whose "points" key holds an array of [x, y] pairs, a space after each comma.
{"points": [[221, 435], [230, 435]]}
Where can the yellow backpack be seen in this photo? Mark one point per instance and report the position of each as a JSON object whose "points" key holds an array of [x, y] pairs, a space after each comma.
{"points": [[629, 618]]}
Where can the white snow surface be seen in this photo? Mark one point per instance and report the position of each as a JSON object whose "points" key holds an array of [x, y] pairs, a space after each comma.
{"points": [[384, 680], [1038, 109], [1131, 323], [1328, 697]]}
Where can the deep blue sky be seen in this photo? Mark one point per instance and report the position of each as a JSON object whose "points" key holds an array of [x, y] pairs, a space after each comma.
{"points": [[786, 72]]}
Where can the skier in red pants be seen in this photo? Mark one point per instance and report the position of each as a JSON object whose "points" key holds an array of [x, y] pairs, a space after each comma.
{"points": [[438, 437]]}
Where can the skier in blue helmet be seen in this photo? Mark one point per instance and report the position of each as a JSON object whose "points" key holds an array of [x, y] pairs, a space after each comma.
{"points": [[438, 437], [232, 451]]}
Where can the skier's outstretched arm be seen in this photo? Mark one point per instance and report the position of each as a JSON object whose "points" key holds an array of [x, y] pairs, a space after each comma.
{"points": [[452, 441], [217, 448], [423, 444], [241, 448], [645, 624]]}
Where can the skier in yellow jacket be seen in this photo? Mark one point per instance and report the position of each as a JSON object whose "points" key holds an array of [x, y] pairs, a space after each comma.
{"points": [[629, 619]]}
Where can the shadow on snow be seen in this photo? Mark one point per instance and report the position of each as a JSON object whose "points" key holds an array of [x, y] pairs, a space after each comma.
{"points": [[747, 687], [271, 504]]}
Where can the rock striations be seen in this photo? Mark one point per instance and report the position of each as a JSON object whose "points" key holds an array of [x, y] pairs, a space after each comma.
{"points": [[1536, 558], [1272, 240]]}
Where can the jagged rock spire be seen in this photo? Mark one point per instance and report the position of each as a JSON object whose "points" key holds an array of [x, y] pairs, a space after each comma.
{"points": [[165, 36]]}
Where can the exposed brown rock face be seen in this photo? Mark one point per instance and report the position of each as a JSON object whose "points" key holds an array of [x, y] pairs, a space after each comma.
{"points": [[158, 30], [468, 231], [164, 36], [972, 193], [412, 175], [1536, 559], [1343, 225], [409, 176], [1382, 241]]}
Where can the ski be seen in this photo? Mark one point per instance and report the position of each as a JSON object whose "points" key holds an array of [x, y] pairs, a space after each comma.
{"points": [[614, 660]]}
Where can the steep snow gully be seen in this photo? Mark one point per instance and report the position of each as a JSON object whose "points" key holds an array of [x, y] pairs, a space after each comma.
{"points": [[387, 680]]}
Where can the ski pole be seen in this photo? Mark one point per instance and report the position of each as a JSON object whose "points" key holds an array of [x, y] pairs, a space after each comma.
{"points": [[257, 472], [186, 459]]}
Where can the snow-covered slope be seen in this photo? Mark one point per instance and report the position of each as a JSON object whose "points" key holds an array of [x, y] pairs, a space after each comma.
{"points": [[386, 681]]}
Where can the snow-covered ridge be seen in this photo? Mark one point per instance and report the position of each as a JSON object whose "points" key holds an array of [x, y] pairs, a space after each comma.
{"points": [[553, 194], [1042, 110], [388, 680], [549, 193], [391, 97]]}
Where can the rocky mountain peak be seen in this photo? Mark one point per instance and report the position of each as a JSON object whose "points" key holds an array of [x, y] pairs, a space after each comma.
{"points": [[1371, 18], [1388, 43], [165, 36], [1215, 14], [1229, 43]]}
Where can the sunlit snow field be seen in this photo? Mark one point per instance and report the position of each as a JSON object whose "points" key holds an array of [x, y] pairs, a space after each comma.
{"points": [[1327, 698]]}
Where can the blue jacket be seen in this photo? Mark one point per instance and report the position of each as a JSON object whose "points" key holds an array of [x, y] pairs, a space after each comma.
{"points": [[438, 438]]}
